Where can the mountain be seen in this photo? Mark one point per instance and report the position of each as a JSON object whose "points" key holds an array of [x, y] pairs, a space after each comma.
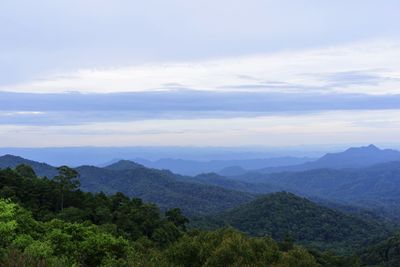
{"points": [[385, 253], [162, 187], [356, 157], [193, 167], [221, 181], [41, 169], [232, 171], [123, 165], [284, 214], [376, 188]]}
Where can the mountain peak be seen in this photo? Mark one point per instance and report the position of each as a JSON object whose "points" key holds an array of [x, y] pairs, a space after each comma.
{"points": [[358, 157], [373, 147], [124, 165], [9, 156], [369, 148]]}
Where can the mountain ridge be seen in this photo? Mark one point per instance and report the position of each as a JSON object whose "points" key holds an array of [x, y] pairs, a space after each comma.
{"points": [[284, 214], [353, 157], [162, 187]]}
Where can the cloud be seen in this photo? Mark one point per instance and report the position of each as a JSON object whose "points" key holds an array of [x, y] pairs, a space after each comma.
{"points": [[45, 36], [354, 78], [364, 67], [334, 127], [76, 108]]}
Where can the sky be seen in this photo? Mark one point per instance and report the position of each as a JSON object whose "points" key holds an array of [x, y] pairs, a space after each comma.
{"points": [[199, 73]]}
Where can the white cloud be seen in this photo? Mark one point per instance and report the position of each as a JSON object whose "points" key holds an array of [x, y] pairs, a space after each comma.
{"points": [[20, 113], [329, 127], [298, 70]]}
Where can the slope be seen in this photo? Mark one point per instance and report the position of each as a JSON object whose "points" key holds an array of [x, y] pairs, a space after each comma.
{"points": [[284, 214], [41, 169], [163, 188], [376, 187], [355, 157]]}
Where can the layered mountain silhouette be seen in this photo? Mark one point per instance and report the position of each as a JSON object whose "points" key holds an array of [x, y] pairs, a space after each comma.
{"points": [[41, 169], [281, 215], [348, 178], [162, 187], [356, 157], [192, 167]]}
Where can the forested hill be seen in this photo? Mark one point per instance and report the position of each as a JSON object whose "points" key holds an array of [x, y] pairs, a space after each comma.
{"points": [[163, 188], [42, 169], [282, 214], [52, 223], [376, 188]]}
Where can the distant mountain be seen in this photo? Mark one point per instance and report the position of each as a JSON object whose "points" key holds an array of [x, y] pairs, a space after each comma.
{"points": [[192, 167], [232, 171], [205, 178], [41, 169], [376, 187], [284, 214], [162, 187], [221, 181], [356, 157], [123, 165]]}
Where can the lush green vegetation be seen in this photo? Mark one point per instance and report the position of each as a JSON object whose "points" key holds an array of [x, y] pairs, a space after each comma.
{"points": [[376, 188], [162, 187], [52, 223], [385, 253], [284, 214]]}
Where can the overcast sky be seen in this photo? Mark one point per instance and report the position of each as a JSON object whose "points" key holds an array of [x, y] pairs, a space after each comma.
{"points": [[204, 73]]}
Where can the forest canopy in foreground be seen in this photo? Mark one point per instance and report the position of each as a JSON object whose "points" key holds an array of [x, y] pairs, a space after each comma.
{"points": [[52, 223]]}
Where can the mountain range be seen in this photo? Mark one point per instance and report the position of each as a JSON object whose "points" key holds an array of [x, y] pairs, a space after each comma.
{"points": [[355, 157], [162, 187], [192, 167], [365, 177]]}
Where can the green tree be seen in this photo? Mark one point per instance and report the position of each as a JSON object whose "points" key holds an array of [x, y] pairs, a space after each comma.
{"points": [[25, 171], [8, 224], [175, 216], [67, 180]]}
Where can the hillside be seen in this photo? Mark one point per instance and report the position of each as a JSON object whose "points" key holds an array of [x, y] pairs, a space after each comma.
{"points": [[221, 181], [41, 169], [38, 228], [284, 214], [161, 187], [213, 179], [193, 167], [123, 165], [385, 253], [355, 157], [376, 187]]}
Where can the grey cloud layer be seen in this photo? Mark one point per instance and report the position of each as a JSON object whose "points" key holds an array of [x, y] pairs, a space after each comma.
{"points": [[75, 108]]}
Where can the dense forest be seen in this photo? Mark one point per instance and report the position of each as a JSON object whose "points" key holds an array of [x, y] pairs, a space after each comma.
{"points": [[52, 223], [162, 187], [283, 214], [376, 188]]}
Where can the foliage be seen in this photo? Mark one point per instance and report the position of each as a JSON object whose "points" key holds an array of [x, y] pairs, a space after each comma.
{"points": [[385, 253], [162, 187], [282, 215], [115, 230], [375, 188]]}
